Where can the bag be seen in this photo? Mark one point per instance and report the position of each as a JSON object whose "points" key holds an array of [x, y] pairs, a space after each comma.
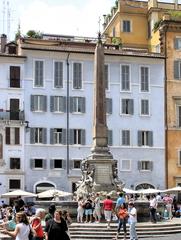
{"points": [[114, 217], [30, 236]]}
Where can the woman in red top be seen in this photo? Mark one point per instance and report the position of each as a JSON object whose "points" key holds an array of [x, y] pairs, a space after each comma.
{"points": [[108, 208], [123, 216], [36, 224]]}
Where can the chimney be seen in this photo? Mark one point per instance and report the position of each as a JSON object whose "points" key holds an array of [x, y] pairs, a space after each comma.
{"points": [[3, 43]]}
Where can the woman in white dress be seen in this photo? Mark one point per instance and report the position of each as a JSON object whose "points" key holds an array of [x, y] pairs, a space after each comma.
{"points": [[22, 229], [80, 210]]}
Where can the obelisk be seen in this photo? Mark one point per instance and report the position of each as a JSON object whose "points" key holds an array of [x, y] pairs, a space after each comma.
{"points": [[99, 169]]}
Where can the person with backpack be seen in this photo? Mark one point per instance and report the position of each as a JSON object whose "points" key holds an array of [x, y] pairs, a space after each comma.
{"points": [[88, 209], [122, 216]]}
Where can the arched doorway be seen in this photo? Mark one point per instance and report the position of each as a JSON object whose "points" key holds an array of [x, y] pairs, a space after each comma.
{"points": [[43, 186], [144, 186]]}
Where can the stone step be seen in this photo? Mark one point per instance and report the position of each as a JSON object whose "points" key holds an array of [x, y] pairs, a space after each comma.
{"points": [[94, 231]]}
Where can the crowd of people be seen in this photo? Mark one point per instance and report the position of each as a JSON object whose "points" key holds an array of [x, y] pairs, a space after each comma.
{"points": [[21, 221], [26, 223]]}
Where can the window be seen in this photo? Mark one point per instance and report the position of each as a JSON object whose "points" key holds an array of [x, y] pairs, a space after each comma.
{"points": [[179, 116], [126, 26], [14, 76], [77, 136], [110, 138], [179, 158], [145, 165], [144, 79], [58, 74], [38, 135], [127, 106], [57, 104], [76, 164], [126, 137], [12, 136], [38, 163], [177, 69], [14, 184], [77, 104], [106, 76], [177, 43], [144, 107], [57, 163], [77, 75], [57, 136], [109, 105], [125, 165], [125, 77], [14, 163], [1, 146], [39, 74], [38, 103], [114, 32], [145, 138]]}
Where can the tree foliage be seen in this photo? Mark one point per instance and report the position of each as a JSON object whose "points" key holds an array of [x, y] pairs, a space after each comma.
{"points": [[34, 34]]}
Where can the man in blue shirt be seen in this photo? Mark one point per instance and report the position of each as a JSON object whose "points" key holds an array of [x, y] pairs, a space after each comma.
{"points": [[120, 201]]}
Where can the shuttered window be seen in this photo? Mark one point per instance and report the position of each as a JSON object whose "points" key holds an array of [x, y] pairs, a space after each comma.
{"points": [[77, 136], [38, 135], [56, 164], [57, 104], [109, 105], [126, 26], [12, 136], [15, 76], [144, 74], [58, 74], [145, 138], [177, 43], [110, 138], [77, 104], [14, 163], [127, 106], [38, 103], [144, 107], [177, 69], [38, 163], [125, 137], [39, 74], [77, 75], [57, 136], [145, 165], [125, 77], [179, 115]]}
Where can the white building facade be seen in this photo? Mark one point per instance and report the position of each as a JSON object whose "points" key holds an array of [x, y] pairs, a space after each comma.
{"points": [[58, 105]]}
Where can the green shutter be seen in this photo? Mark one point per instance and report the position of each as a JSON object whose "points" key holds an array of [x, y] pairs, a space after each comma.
{"points": [[83, 104], [51, 163], [64, 136], [110, 137], [51, 135], [176, 69], [176, 43], [139, 138], [32, 163], [51, 103], [32, 100], [44, 133], [83, 136], [150, 138], [32, 135]]}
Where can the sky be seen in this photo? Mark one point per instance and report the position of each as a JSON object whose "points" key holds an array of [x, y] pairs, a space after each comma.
{"points": [[66, 17]]}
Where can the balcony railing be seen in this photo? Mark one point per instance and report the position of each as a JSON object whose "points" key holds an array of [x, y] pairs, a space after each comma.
{"points": [[12, 115]]}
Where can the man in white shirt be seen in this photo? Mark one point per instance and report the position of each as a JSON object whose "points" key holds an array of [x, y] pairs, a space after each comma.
{"points": [[132, 221], [153, 207]]}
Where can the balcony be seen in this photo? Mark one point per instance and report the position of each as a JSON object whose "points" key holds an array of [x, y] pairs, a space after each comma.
{"points": [[11, 115]]}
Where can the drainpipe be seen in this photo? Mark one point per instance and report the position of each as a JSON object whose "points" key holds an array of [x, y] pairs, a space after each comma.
{"points": [[67, 135], [166, 112]]}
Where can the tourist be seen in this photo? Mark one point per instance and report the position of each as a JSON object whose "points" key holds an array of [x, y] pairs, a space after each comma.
{"points": [[56, 228], [153, 207], [158, 197], [88, 209], [168, 200], [108, 209], [119, 201], [19, 204], [132, 221], [80, 210], [97, 208], [50, 214], [123, 217], [66, 216], [22, 229], [36, 224]]}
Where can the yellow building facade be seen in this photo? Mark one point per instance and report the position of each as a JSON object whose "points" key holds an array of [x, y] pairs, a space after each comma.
{"points": [[155, 27]]}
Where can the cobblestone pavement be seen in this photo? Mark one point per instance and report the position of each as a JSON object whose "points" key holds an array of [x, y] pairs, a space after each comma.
{"points": [[168, 237]]}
